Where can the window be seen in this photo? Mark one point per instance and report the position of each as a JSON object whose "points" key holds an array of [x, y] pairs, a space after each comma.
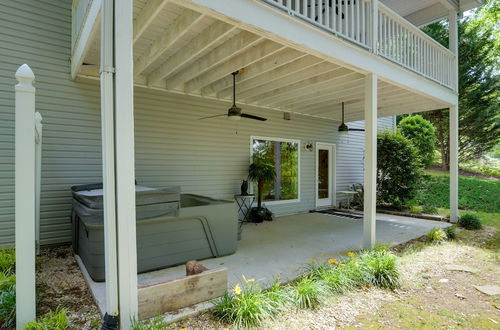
{"points": [[283, 155]]}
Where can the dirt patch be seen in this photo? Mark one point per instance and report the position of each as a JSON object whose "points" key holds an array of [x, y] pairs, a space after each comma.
{"points": [[60, 283]]}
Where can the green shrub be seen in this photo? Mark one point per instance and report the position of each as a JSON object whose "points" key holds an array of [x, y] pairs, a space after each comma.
{"points": [[470, 221], [416, 209], [155, 323], [422, 134], [337, 279], [450, 232], [380, 268], [248, 306], [7, 281], [399, 169], [51, 321], [308, 292], [7, 261], [429, 209], [436, 235], [8, 308]]}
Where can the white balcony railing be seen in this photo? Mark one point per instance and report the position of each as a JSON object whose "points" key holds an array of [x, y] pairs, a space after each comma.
{"points": [[397, 39]]}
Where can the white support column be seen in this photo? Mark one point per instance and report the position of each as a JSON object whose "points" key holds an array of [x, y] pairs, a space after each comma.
{"points": [[124, 164], [25, 196], [108, 161], [370, 176], [454, 121]]}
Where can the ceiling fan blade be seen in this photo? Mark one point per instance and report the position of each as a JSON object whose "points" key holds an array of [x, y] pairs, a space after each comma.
{"points": [[245, 115], [356, 129], [212, 116]]}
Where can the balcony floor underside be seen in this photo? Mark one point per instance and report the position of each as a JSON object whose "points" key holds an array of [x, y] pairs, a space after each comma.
{"points": [[180, 50]]}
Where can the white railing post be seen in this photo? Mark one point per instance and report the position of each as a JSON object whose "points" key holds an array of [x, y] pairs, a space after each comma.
{"points": [[374, 26], [38, 176], [453, 46], [25, 196]]}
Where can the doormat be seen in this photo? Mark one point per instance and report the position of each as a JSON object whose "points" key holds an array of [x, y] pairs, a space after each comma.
{"points": [[341, 213]]}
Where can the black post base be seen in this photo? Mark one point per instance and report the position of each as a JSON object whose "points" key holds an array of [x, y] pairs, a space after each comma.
{"points": [[110, 322]]}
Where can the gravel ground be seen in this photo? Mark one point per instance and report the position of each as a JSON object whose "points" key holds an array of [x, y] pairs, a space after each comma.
{"points": [[60, 283]]}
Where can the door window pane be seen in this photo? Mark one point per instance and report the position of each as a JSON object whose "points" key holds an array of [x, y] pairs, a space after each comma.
{"points": [[284, 157], [323, 174]]}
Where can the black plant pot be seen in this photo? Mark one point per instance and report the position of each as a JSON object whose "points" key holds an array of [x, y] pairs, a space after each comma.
{"points": [[257, 214]]}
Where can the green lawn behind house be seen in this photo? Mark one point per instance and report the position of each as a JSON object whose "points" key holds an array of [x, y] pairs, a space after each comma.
{"points": [[475, 194]]}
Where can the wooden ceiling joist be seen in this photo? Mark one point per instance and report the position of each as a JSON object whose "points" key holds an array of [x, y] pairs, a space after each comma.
{"points": [[172, 33], [223, 87], [252, 55], [198, 45], [238, 43], [146, 16]]}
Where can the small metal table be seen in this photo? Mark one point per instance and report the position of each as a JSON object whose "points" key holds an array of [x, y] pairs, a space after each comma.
{"points": [[244, 203], [349, 194]]}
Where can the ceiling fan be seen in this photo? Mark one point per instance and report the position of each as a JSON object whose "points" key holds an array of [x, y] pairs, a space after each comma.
{"points": [[344, 129], [234, 112]]}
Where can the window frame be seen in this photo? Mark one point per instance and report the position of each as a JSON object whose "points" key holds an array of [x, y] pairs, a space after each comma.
{"points": [[276, 139]]}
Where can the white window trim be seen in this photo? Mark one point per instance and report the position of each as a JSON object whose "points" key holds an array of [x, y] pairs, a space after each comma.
{"points": [[288, 201]]}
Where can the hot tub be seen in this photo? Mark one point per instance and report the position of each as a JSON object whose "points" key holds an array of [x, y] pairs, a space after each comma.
{"points": [[171, 230]]}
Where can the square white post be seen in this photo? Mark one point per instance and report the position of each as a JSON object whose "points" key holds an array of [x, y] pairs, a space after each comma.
{"points": [[124, 162], [108, 162], [454, 122], [25, 196], [370, 175]]}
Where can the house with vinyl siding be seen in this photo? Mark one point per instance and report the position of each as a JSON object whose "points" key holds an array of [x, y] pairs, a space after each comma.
{"points": [[304, 66]]}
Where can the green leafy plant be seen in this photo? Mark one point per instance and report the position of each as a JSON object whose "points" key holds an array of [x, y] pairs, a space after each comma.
{"points": [[422, 134], [7, 281], [7, 261], [436, 235], [416, 209], [470, 221], [380, 268], [8, 308], [429, 209], [308, 292], [399, 169], [57, 320], [450, 232], [261, 173], [155, 323], [248, 306]]}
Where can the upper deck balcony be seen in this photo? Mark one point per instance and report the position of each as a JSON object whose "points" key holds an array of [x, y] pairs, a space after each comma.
{"points": [[396, 39]]}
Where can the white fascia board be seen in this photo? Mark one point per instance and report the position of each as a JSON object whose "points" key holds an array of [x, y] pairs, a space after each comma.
{"points": [[263, 20]]}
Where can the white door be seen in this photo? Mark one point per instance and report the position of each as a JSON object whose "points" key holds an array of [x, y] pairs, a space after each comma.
{"points": [[325, 174]]}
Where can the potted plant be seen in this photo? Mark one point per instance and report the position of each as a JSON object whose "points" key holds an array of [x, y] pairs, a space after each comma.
{"points": [[261, 173]]}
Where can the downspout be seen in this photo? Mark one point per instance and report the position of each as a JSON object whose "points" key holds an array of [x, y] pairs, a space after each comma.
{"points": [[107, 72]]}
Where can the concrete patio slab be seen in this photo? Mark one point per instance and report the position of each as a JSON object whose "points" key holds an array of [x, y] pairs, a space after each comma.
{"points": [[284, 246]]}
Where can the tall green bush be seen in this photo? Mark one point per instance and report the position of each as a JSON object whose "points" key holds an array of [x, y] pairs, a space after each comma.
{"points": [[399, 169], [422, 134]]}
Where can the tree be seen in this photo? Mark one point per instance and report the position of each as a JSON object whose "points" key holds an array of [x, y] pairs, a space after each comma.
{"points": [[422, 134], [399, 171], [479, 84]]}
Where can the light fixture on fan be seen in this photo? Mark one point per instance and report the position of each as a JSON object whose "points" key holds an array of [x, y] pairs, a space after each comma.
{"points": [[344, 129]]}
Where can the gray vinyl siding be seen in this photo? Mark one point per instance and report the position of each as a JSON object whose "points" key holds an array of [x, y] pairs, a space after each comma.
{"points": [[172, 147]]}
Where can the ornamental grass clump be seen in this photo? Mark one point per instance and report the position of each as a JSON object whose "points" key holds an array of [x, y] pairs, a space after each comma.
{"points": [[51, 321], [308, 292], [154, 323], [8, 308], [470, 221], [436, 235], [248, 306], [380, 268], [7, 261], [450, 232]]}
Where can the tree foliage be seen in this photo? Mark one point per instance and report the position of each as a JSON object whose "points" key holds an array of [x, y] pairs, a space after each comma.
{"points": [[479, 83], [399, 169], [422, 135]]}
